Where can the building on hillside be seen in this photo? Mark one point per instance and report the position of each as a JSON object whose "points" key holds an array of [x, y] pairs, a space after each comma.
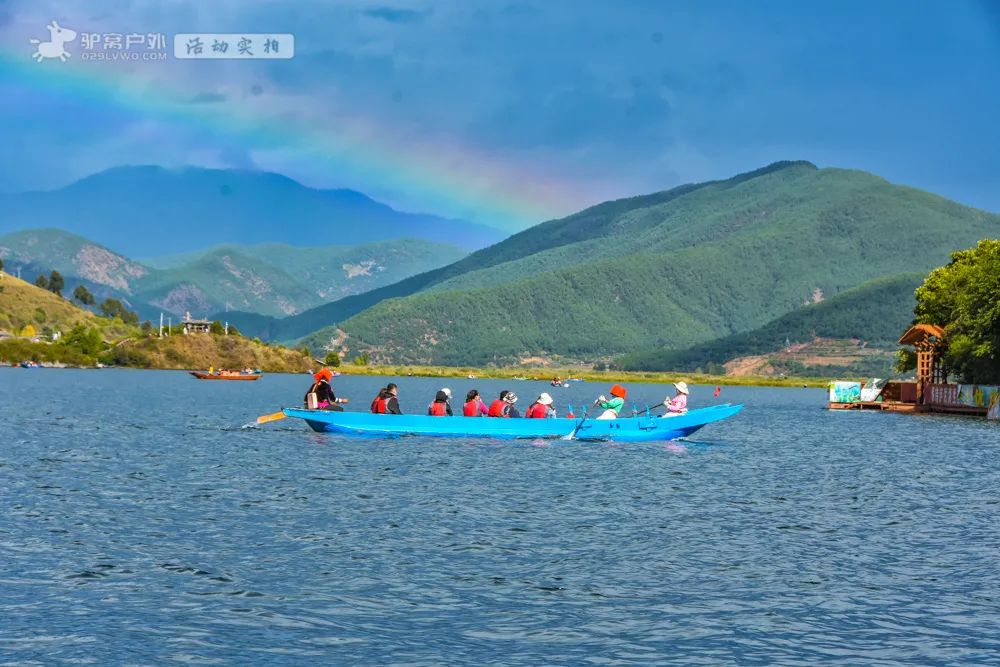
{"points": [[192, 325]]}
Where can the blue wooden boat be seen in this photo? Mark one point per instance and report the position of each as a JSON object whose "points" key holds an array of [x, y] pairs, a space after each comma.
{"points": [[634, 429]]}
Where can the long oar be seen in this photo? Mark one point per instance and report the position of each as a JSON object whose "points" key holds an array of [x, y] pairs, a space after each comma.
{"points": [[572, 435], [273, 417]]}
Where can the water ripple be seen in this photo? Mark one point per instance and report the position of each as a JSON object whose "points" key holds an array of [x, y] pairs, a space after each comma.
{"points": [[786, 536]]}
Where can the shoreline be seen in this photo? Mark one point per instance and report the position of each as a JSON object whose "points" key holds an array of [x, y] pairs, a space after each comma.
{"points": [[522, 373], [547, 374]]}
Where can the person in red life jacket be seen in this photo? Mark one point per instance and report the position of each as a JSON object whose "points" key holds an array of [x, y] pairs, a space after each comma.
{"points": [[386, 403], [504, 406], [541, 408], [325, 398], [441, 406], [378, 403], [474, 406], [497, 406], [718, 390], [392, 399]]}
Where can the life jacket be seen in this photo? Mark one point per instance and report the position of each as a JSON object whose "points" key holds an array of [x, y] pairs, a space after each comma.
{"points": [[378, 405], [438, 410], [497, 408], [471, 409], [537, 411]]}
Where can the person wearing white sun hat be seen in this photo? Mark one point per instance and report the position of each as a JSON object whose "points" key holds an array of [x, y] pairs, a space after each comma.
{"points": [[678, 404], [541, 408]]}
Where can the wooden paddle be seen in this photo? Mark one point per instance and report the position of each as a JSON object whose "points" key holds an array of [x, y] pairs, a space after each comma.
{"points": [[273, 417]]}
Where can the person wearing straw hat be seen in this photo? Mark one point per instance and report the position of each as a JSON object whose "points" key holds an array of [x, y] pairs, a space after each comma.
{"points": [[541, 408], [612, 407], [678, 404]]}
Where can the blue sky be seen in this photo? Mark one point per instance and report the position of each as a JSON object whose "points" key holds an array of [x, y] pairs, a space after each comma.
{"points": [[552, 102]]}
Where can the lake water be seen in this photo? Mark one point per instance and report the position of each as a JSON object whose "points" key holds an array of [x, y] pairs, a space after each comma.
{"points": [[141, 525]]}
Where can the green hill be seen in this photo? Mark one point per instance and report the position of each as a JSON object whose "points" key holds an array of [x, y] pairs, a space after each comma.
{"points": [[29, 316], [668, 271], [22, 304], [876, 312]]}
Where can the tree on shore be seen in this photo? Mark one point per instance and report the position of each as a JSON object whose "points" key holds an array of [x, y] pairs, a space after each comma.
{"points": [[963, 297], [42, 281], [83, 295], [332, 359]]}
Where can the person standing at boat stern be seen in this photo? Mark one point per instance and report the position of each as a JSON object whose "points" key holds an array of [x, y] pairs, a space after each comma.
{"points": [[677, 405], [613, 407], [541, 408], [322, 393], [441, 406], [474, 406]]}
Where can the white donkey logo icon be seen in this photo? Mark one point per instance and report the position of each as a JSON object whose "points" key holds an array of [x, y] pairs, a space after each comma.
{"points": [[54, 48]]}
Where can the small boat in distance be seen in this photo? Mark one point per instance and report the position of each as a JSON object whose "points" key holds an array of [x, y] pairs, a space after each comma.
{"points": [[228, 375], [634, 429]]}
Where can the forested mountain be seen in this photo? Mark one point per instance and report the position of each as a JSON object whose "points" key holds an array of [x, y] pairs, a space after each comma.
{"points": [[667, 271], [876, 313], [145, 211]]}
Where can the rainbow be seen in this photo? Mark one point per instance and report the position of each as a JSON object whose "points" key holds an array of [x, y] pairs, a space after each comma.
{"points": [[436, 176]]}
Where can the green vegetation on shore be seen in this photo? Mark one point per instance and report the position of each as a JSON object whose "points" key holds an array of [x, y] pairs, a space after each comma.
{"points": [[547, 374], [964, 298]]}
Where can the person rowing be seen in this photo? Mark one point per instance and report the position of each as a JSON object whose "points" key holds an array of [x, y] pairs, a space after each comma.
{"points": [[474, 406], [678, 404], [541, 408], [322, 394], [612, 407], [441, 406]]}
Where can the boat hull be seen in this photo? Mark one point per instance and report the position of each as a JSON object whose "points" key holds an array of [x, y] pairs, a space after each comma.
{"points": [[206, 376], [636, 429]]}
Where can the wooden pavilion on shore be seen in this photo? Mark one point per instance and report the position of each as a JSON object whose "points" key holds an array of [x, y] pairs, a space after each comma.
{"points": [[929, 392]]}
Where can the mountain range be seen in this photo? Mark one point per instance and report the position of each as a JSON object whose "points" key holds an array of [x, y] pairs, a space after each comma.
{"points": [[681, 279], [660, 272], [149, 211], [273, 279]]}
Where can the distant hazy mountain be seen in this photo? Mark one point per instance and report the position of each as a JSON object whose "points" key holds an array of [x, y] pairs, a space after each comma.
{"points": [[149, 211], [333, 272], [270, 279], [658, 272]]}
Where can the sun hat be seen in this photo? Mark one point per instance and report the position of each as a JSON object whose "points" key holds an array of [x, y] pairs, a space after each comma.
{"points": [[511, 397], [681, 387], [447, 392], [618, 391], [545, 399]]}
